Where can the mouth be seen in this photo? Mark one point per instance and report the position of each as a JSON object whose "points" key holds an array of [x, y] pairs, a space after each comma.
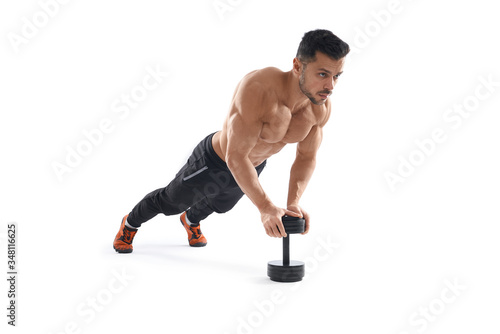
{"points": [[324, 96]]}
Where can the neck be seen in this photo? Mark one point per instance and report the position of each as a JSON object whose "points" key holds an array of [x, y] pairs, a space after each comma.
{"points": [[295, 99]]}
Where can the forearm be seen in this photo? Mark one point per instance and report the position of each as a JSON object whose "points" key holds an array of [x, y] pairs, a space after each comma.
{"points": [[300, 174], [248, 180]]}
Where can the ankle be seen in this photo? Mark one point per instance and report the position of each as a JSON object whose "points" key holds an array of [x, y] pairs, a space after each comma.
{"points": [[190, 223], [130, 226]]}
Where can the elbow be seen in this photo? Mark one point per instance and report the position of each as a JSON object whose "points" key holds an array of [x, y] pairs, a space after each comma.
{"points": [[233, 161]]}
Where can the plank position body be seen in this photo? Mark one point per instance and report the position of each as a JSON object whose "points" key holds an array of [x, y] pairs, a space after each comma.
{"points": [[269, 109]]}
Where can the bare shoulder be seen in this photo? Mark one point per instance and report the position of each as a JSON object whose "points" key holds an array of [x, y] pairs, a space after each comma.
{"points": [[257, 90], [264, 77]]}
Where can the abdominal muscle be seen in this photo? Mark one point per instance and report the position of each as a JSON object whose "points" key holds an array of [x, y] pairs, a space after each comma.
{"points": [[259, 153]]}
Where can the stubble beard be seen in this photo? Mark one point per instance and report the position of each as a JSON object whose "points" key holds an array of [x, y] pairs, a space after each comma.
{"points": [[302, 86]]}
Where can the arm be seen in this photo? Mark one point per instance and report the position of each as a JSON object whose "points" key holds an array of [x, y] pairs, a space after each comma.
{"points": [[243, 132], [304, 164], [302, 170]]}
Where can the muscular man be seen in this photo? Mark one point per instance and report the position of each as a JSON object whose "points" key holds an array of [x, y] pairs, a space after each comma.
{"points": [[269, 109]]}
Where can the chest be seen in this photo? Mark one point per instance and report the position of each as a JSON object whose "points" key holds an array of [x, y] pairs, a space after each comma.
{"points": [[283, 126]]}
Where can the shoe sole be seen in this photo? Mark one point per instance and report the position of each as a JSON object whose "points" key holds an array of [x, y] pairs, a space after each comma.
{"points": [[123, 250], [199, 244]]}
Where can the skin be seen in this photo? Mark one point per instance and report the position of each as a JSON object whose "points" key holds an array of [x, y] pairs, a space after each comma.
{"points": [[271, 108]]}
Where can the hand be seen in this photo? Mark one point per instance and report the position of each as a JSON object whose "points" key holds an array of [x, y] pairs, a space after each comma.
{"points": [[302, 213], [271, 218]]}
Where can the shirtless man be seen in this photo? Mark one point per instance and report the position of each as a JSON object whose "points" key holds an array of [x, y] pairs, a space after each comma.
{"points": [[269, 109]]}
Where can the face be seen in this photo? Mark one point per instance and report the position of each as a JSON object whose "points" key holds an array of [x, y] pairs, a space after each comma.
{"points": [[318, 78]]}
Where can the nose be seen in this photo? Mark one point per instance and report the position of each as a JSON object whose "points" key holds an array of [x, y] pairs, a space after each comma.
{"points": [[329, 85]]}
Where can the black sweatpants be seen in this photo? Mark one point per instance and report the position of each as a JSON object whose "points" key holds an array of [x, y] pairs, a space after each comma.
{"points": [[202, 186]]}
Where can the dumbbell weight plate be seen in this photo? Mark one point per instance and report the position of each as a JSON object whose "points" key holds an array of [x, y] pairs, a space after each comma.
{"points": [[293, 224], [279, 273]]}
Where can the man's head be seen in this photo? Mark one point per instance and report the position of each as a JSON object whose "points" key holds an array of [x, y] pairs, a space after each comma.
{"points": [[319, 63]]}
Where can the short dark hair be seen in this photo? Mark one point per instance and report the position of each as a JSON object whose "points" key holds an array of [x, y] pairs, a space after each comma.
{"points": [[323, 41]]}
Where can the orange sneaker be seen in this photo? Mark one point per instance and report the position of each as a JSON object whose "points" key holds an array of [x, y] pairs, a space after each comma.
{"points": [[124, 238], [195, 237]]}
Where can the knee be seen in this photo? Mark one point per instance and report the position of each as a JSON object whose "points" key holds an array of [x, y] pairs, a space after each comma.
{"points": [[223, 207]]}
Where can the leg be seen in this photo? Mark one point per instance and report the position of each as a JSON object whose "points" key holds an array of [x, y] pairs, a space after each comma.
{"points": [[186, 189]]}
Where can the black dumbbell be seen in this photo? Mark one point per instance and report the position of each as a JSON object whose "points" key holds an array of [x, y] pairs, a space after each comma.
{"points": [[287, 270]]}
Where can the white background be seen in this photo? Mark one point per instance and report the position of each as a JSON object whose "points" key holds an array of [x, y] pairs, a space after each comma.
{"points": [[396, 249]]}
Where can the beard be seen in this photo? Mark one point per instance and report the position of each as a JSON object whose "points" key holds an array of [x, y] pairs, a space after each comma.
{"points": [[306, 92]]}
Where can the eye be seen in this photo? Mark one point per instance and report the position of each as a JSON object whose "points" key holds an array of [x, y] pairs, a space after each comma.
{"points": [[323, 75], [336, 76]]}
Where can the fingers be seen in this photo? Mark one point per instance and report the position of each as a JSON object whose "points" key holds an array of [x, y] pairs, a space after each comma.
{"points": [[296, 209], [276, 230], [306, 227], [293, 214], [270, 231], [281, 229], [307, 219]]}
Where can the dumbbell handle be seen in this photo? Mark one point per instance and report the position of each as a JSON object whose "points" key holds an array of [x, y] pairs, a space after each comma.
{"points": [[292, 225], [286, 251]]}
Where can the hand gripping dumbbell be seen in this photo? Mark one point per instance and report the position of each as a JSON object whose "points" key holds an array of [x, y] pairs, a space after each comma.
{"points": [[287, 270]]}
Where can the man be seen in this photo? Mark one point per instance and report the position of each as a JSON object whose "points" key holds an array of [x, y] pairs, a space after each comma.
{"points": [[270, 109]]}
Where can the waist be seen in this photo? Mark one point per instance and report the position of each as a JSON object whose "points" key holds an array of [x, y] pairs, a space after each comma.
{"points": [[214, 156], [209, 147]]}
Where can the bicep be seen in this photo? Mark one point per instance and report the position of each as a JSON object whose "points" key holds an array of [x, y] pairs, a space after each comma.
{"points": [[242, 135], [244, 123]]}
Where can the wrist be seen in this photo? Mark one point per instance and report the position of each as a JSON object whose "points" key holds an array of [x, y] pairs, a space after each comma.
{"points": [[264, 205]]}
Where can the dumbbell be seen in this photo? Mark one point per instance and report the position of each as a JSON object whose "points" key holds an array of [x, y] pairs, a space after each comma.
{"points": [[287, 270]]}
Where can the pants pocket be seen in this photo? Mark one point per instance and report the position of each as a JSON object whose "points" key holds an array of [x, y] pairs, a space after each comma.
{"points": [[193, 174]]}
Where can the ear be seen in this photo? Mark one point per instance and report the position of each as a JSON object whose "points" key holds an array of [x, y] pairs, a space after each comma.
{"points": [[297, 66]]}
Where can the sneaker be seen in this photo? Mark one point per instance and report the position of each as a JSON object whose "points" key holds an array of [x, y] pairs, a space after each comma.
{"points": [[124, 238], [195, 237]]}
